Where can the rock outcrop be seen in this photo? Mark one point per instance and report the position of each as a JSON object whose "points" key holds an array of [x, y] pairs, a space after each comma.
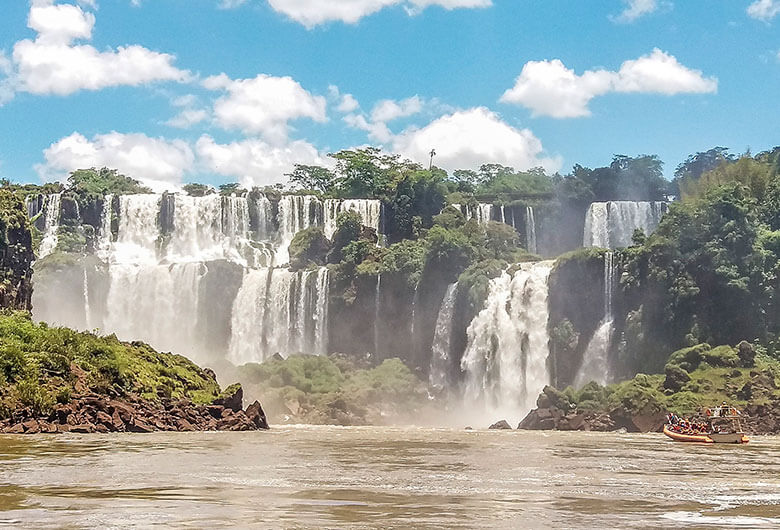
{"points": [[93, 413], [16, 254]]}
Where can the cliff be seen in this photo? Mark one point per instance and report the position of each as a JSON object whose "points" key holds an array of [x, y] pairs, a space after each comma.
{"points": [[16, 253]]}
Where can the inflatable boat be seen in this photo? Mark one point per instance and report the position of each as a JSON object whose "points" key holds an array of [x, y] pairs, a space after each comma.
{"points": [[709, 438]]}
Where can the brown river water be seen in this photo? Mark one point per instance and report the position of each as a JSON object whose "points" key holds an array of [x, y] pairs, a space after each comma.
{"points": [[376, 477]]}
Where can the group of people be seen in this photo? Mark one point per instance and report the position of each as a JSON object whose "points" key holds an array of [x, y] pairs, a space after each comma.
{"points": [[686, 426]]}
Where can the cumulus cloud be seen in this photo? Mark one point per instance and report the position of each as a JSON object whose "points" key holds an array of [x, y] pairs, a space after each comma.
{"points": [[6, 88], [53, 64], [264, 105], [389, 110], [189, 114], [345, 103], [549, 88], [311, 13], [468, 138], [156, 162], [764, 10], [635, 9], [255, 162]]}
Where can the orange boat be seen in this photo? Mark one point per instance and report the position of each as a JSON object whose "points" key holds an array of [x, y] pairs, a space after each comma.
{"points": [[725, 427]]}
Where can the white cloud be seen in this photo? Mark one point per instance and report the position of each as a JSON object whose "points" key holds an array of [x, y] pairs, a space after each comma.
{"points": [[255, 162], [377, 131], [389, 110], [6, 88], [156, 162], [311, 13], [764, 10], [549, 88], [468, 138], [230, 4], [634, 10], [264, 105], [345, 103], [187, 118], [53, 64]]}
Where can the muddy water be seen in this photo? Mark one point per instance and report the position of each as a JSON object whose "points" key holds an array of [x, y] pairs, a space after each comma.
{"points": [[386, 477]]}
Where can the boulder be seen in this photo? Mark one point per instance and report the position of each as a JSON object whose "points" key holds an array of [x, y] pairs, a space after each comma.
{"points": [[231, 398], [139, 425], [83, 428], [256, 415], [501, 425], [31, 427]]}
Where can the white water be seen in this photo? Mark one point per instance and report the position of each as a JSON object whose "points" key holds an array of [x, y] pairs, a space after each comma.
{"points": [[52, 210], [505, 362], [595, 360], [370, 211], [439, 375], [530, 229], [273, 313], [612, 224]]}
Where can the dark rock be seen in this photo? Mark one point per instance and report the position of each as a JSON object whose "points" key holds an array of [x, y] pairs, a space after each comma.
{"points": [[231, 398], [139, 425], [84, 428], [256, 415], [215, 410], [676, 377], [501, 425]]}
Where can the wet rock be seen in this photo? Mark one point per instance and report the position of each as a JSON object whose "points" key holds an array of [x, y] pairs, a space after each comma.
{"points": [[231, 398], [256, 415], [501, 425], [83, 428], [14, 429], [31, 427], [139, 425]]}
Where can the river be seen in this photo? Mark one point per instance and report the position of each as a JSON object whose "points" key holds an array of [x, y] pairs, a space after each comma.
{"points": [[315, 477]]}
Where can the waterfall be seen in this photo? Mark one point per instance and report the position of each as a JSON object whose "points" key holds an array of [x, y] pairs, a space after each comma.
{"points": [[439, 375], [505, 362], [279, 311], [87, 311], [51, 224], [370, 211], [103, 244], [595, 360], [157, 304], [612, 224], [530, 230], [296, 213], [377, 312], [138, 231]]}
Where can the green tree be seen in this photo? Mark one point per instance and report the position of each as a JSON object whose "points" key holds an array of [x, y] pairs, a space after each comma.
{"points": [[232, 188], [312, 178], [198, 190], [102, 181]]}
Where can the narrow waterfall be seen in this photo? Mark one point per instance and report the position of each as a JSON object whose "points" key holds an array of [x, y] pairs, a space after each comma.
{"points": [[482, 212], [612, 224], [377, 312], [595, 360], [530, 230], [87, 310], [439, 374], [51, 224], [274, 312], [505, 361], [103, 243]]}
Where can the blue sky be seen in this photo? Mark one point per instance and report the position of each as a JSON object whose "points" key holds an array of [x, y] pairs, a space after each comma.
{"points": [[173, 91]]}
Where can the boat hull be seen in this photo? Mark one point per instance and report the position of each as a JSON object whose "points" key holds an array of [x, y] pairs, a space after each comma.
{"points": [[731, 438]]}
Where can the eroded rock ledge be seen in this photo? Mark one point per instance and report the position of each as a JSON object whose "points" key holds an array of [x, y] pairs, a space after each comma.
{"points": [[92, 413]]}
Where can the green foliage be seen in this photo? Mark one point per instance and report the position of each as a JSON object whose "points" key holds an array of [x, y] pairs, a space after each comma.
{"points": [[98, 182], [312, 178], [349, 226], [198, 190], [308, 247], [37, 365], [232, 188], [450, 218]]}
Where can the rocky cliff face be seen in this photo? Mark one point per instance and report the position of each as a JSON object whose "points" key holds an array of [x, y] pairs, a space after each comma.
{"points": [[16, 253]]}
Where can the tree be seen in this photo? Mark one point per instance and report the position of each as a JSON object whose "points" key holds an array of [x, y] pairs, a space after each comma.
{"points": [[104, 180], [232, 188], [349, 226], [312, 178], [198, 190]]}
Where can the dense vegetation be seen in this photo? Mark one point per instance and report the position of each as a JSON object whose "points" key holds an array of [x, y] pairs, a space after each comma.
{"points": [[41, 366]]}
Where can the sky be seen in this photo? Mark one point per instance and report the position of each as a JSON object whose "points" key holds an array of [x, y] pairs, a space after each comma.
{"points": [[216, 91]]}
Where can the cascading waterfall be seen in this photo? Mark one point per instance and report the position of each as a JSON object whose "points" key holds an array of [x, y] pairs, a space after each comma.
{"points": [[595, 360], [370, 211], [51, 224], [530, 230], [272, 312], [162, 249], [439, 374], [505, 361], [612, 224]]}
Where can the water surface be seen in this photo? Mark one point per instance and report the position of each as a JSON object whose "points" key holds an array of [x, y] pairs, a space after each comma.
{"points": [[299, 477]]}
